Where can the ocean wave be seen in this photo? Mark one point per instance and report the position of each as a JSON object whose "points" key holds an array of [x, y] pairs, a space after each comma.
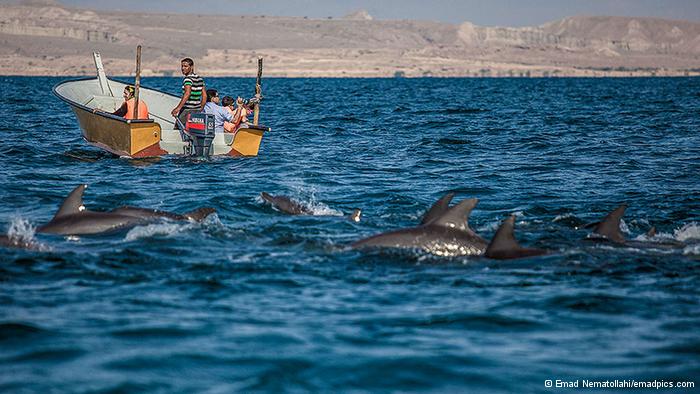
{"points": [[22, 234]]}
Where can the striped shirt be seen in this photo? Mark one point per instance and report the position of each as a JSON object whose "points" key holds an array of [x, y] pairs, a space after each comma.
{"points": [[197, 84]]}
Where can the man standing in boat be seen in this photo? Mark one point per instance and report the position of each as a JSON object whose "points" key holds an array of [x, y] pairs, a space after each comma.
{"points": [[194, 96]]}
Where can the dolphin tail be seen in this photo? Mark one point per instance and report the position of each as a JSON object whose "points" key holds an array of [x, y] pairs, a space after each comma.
{"points": [[73, 203], [457, 216], [438, 209], [504, 246], [609, 227], [199, 214], [267, 197], [356, 214]]}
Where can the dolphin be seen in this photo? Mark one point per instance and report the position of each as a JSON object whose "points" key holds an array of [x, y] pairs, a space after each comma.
{"points": [[503, 245], [196, 215], [291, 207], [286, 204], [73, 219], [608, 229], [444, 234]]}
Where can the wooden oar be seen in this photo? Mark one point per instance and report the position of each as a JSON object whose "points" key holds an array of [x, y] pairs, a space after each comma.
{"points": [[258, 90], [137, 84]]}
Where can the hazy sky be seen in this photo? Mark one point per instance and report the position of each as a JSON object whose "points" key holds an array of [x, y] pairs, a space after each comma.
{"points": [[481, 12]]}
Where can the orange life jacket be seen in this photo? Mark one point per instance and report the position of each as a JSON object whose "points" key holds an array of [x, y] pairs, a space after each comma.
{"points": [[143, 109]]}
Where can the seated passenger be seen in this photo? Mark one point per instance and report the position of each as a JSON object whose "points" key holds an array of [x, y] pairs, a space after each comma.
{"points": [[239, 113], [212, 107], [127, 108]]}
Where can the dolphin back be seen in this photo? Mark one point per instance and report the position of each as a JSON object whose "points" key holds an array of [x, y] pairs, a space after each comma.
{"points": [[146, 213], [89, 223], [285, 204], [199, 214]]}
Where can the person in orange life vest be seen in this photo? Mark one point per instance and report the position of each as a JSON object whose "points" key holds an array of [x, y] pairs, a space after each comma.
{"points": [[127, 108], [239, 113]]}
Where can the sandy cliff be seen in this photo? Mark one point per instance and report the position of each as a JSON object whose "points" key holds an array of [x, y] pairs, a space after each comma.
{"points": [[45, 38]]}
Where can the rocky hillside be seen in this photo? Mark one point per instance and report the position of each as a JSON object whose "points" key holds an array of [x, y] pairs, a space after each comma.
{"points": [[45, 38], [613, 35]]}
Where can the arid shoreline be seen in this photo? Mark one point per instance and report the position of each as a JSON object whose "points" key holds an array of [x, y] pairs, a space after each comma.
{"points": [[51, 40]]}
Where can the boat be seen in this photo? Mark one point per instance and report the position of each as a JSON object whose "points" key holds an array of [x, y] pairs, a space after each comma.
{"points": [[91, 99]]}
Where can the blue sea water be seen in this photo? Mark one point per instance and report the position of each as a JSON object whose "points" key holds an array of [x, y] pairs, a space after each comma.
{"points": [[253, 300]]}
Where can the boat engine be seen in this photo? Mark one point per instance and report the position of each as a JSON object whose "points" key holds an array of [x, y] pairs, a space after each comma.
{"points": [[200, 132]]}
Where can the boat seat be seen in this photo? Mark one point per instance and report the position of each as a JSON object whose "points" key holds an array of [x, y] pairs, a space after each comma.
{"points": [[107, 103]]}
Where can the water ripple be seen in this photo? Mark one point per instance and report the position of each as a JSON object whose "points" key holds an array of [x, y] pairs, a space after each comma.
{"points": [[255, 300]]}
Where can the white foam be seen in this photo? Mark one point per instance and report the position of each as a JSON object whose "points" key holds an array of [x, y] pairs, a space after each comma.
{"points": [[166, 228], [640, 222], [658, 237], [321, 209], [563, 217], [624, 228], [494, 225], [692, 250], [212, 221], [645, 238], [687, 232], [21, 230], [488, 227], [316, 207], [518, 214]]}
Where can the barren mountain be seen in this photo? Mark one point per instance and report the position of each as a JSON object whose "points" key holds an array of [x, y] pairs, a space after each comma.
{"points": [[45, 38]]}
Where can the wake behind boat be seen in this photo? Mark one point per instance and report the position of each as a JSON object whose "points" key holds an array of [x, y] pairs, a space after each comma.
{"points": [[138, 138]]}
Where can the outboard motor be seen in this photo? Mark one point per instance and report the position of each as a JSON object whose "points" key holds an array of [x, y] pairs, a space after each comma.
{"points": [[199, 133], [200, 127]]}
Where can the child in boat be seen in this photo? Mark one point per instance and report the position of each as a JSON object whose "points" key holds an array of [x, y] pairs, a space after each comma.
{"points": [[239, 113], [127, 108]]}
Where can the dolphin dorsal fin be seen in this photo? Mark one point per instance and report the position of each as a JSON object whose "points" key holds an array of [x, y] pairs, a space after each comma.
{"points": [[458, 216], [438, 209], [73, 203], [504, 239], [610, 226], [266, 196], [652, 232]]}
